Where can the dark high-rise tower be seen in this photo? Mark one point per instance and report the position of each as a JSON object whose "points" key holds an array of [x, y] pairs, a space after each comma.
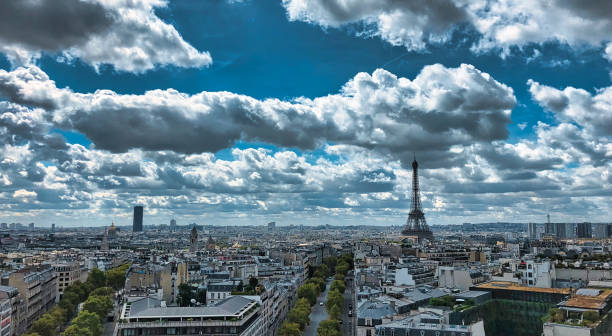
{"points": [[416, 224], [137, 224]]}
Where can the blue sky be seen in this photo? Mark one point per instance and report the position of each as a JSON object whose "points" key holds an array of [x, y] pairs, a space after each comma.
{"points": [[278, 53]]}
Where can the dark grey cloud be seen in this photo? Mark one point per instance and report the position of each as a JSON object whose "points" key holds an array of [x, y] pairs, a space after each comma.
{"points": [[442, 107], [95, 31], [52, 25]]}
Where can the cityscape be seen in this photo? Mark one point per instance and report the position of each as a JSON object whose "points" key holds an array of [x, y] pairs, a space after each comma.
{"points": [[305, 168]]}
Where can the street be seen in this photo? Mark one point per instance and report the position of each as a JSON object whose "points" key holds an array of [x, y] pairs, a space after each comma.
{"points": [[348, 323], [318, 313]]}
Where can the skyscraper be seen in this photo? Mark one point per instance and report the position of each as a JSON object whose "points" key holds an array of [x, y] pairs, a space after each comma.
{"points": [[193, 239], [137, 224], [172, 225]]}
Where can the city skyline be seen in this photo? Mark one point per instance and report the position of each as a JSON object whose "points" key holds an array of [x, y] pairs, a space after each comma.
{"points": [[302, 113]]}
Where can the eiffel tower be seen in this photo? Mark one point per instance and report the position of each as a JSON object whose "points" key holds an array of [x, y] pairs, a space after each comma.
{"points": [[416, 226]]}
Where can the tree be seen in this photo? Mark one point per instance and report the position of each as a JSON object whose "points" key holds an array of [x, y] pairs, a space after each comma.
{"points": [[590, 315], [342, 268], [103, 291], [59, 314], [240, 286], [335, 312], [90, 321], [200, 296], [338, 285], [309, 291], [75, 330], [185, 295], [253, 282], [68, 306], [290, 329], [319, 282], [300, 316], [115, 279], [334, 297], [331, 263], [45, 326], [97, 278], [322, 271], [329, 328], [101, 305]]}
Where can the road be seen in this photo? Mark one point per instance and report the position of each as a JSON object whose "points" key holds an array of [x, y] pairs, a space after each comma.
{"points": [[317, 314], [348, 323], [108, 328]]}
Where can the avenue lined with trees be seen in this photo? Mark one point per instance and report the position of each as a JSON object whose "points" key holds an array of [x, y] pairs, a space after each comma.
{"points": [[298, 317], [96, 294]]}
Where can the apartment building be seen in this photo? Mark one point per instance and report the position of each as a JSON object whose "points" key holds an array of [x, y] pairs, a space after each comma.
{"points": [[68, 273], [38, 286], [234, 316]]}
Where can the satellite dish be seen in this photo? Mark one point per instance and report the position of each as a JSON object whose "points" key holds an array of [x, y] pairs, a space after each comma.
{"points": [[193, 301]]}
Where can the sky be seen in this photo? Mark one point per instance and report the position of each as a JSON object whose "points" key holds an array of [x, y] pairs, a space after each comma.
{"points": [[241, 112]]}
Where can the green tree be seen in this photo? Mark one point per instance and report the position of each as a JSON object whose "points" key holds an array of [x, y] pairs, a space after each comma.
{"points": [[75, 330], [320, 283], [45, 326], [253, 282], [31, 333], [290, 329], [590, 315], [334, 297], [331, 263], [335, 312], [329, 328], [300, 316], [101, 305], [338, 285], [200, 296], [186, 293], [115, 279], [322, 271], [309, 291], [89, 321], [97, 278], [103, 291]]}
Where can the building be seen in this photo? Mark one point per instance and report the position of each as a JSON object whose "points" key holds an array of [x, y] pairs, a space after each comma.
{"points": [[104, 246], [193, 239], [38, 287], [506, 290], [429, 323], [219, 291], [11, 324], [137, 222], [457, 277], [68, 273], [236, 315], [372, 313], [5, 317], [584, 230], [173, 225], [575, 322], [536, 230], [537, 274], [271, 226]]}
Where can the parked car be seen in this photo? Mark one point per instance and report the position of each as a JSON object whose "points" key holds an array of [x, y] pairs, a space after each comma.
{"points": [[321, 303]]}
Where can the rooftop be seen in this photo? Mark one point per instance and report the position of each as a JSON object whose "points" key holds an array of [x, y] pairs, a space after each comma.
{"points": [[589, 298], [152, 308], [507, 285]]}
